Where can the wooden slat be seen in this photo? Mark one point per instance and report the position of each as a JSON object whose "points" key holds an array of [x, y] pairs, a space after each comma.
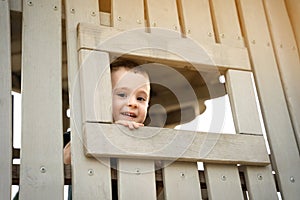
{"points": [[90, 177], [293, 8], [223, 184], [136, 179], [128, 14], [197, 20], [226, 21], [155, 143], [181, 181], [275, 113], [240, 90], [5, 105], [95, 81], [240, 87], [174, 47], [163, 14], [287, 57], [41, 175]]}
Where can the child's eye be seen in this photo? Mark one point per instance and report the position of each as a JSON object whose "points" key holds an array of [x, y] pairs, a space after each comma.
{"points": [[141, 99], [123, 95]]}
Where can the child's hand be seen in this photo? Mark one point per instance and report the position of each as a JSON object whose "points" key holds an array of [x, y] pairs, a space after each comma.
{"points": [[67, 154], [130, 124]]}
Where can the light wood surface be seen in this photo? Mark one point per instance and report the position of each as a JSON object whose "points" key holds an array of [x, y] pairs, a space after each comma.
{"points": [[259, 180], [128, 14], [5, 105], [227, 24], [156, 143], [223, 181], [136, 179], [181, 181], [274, 108], [138, 42], [41, 170], [197, 20], [95, 86], [163, 14], [90, 177], [293, 8], [287, 57]]}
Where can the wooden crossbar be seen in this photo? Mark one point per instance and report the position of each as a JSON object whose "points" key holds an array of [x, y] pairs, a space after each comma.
{"points": [[160, 45], [106, 140]]}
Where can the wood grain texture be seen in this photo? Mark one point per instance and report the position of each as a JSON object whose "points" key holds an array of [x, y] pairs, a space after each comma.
{"points": [[41, 172], [223, 182], [90, 177], [161, 44], [5, 102], [181, 181], [287, 57], [259, 180], [274, 108], [127, 15], [95, 86], [167, 144], [136, 179]]}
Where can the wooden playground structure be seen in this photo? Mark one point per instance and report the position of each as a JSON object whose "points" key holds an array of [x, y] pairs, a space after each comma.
{"points": [[53, 53]]}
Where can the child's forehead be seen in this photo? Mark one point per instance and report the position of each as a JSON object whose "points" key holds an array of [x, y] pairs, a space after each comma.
{"points": [[129, 78]]}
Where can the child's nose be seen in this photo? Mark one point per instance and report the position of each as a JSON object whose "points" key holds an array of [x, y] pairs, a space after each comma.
{"points": [[132, 102]]}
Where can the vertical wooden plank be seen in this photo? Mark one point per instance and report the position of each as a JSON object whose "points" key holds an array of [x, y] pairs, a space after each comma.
{"points": [[163, 14], [287, 57], [136, 180], [41, 170], [259, 180], [293, 8], [128, 14], [86, 173], [181, 181], [223, 182], [5, 102], [95, 83], [226, 21], [278, 125], [197, 20]]}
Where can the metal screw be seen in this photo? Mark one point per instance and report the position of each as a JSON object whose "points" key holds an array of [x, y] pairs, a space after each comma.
{"points": [[222, 35], [119, 18], [292, 179], [189, 31], [137, 171], [55, 8], [259, 177], [253, 41], [182, 174], [29, 3], [91, 172], [239, 37], [72, 10], [138, 21], [93, 13], [223, 178], [209, 34], [43, 169]]}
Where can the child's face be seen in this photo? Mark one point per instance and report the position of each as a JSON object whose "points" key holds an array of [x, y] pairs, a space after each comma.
{"points": [[130, 95]]}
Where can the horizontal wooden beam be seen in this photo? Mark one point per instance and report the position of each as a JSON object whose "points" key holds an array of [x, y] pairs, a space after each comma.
{"points": [[111, 140], [161, 45]]}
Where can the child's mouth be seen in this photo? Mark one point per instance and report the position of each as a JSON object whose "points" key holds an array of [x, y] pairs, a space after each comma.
{"points": [[128, 114]]}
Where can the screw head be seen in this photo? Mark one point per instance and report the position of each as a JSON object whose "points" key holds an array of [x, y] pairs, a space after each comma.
{"points": [[73, 10], [43, 169], [55, 8], [119, 18], [223, 178], [93, 13], [90, 172], [137, 171], [292, 179], [30, 3], [182, 174], [259, 177]]}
